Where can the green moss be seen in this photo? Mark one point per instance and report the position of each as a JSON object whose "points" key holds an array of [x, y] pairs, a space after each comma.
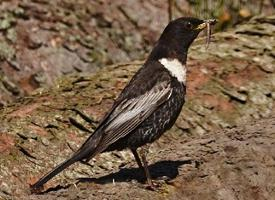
{"points": [[6, 51]]}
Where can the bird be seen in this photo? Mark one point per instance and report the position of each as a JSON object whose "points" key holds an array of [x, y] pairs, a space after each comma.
{"points": [[148, 105]]}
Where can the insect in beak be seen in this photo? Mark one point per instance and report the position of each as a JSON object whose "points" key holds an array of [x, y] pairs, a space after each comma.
{"points": [[207, 24]]}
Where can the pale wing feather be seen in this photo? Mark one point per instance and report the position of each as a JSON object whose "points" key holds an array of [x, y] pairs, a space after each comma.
{"points": [[129, 114]]}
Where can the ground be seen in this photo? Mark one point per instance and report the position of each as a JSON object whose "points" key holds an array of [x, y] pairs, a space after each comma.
{"points": [[231, 164]]}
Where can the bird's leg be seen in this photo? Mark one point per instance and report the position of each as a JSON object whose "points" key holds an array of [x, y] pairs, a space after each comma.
{"points": [[143, 153], [134, 151]]}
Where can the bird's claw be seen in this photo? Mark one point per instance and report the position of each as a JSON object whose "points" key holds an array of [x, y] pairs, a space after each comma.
{"points": [[154, 185]]}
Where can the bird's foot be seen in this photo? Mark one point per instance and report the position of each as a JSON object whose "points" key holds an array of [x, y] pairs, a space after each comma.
{"points": [[154, 185]]}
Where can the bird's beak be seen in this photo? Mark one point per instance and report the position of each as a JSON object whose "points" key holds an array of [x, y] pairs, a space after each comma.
{"points": [[205, 23]]}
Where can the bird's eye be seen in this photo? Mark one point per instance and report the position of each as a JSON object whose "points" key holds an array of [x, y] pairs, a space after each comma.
{"points": [[188, 25]]}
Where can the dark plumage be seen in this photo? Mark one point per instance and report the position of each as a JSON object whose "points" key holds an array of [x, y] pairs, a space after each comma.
{"points": [[150, 103]]}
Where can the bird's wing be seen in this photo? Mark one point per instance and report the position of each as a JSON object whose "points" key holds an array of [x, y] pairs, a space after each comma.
{"points": [[129, 113]]}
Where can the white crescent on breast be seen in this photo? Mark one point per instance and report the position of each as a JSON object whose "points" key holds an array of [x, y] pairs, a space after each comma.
{"points": [[175, 67]]}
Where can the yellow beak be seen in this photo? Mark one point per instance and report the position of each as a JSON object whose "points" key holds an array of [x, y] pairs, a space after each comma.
{"points": [[205, 23]]}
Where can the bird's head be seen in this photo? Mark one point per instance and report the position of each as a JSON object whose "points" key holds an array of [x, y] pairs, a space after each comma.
{"points": [[178, 36]]}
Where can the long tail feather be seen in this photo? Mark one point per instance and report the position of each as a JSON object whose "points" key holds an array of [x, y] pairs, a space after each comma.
{"points": [[86, 151], [55, 171]]}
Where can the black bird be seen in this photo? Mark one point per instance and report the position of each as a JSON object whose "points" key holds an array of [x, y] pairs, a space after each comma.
{"points": [[150, 103]]}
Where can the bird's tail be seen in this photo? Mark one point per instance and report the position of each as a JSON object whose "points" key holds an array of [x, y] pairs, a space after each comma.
{"points": [[53, 173], [83, 153]]}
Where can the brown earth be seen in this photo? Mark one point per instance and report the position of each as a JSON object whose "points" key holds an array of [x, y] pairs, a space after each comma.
{"points": [[231, 164]]}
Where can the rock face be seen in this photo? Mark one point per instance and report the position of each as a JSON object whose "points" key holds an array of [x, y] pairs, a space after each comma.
{"points": [[43, 40], [230, 83]]}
